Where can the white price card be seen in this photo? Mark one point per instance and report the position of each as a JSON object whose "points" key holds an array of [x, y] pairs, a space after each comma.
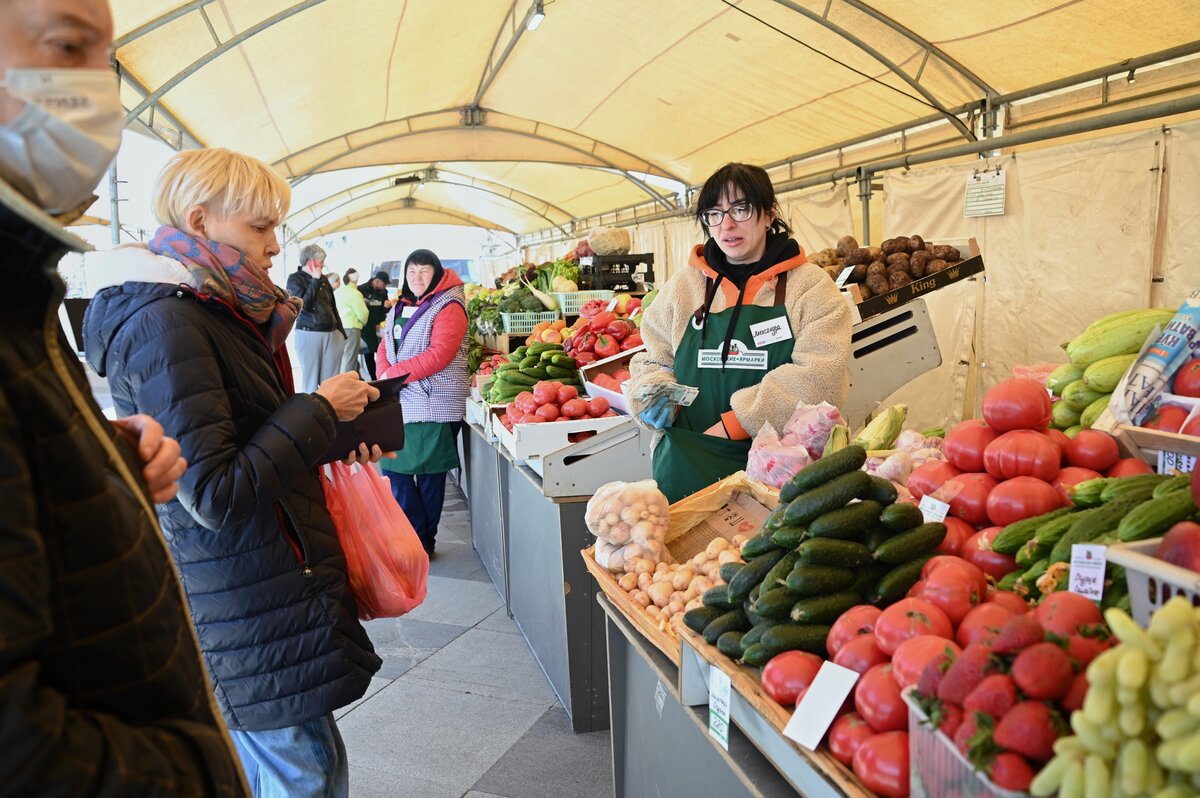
{"points": [[612, 305], [933, 510], [1175, 461], [844, 276], [985, 194], [1087, 570], [819, 707], [719, 688]]}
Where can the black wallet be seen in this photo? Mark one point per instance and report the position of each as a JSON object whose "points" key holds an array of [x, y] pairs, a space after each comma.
{"points": [[380, 423]]}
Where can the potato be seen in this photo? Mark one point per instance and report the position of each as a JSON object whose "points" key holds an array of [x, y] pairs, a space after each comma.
{"points": [[864, 293], [653, 611], [876, 267], [674, 608], [693, 604], [690, 594], [875, 252], [947, 253], [659, 567], [658, 577], [935, 266], [701, 584], [716, 546], [641, 598], [660, 593], [628, 582], [832, 271], [738, 540], [846, 245], [878, 284], [729, 555], [894, 246], [644, 581], [682, 577], [915, 243], [918, 263], [644, 566], [898, 279], [898, 258]]}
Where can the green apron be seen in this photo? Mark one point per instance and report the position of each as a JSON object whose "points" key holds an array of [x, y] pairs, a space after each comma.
{"points": [[686, 460]]}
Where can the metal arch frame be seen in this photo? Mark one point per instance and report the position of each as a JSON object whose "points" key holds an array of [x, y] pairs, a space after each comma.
{"points": [[518, 203], [490, 71], [660, 199], [158, 22], [216, 52], [472, 221], [173, 120], [881, 58]]}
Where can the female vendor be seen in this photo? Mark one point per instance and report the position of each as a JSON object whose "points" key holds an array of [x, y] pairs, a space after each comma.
{"points": [[750, 324]]}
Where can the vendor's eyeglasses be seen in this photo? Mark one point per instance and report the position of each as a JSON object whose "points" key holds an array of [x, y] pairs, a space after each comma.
{"points": [[740, 213]]}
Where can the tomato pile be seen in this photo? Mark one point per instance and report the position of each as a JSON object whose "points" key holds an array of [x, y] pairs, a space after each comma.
{"points": [[552, 401]]}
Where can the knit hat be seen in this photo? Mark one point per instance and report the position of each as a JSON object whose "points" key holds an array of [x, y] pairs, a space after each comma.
{"points": [[387, 278]]}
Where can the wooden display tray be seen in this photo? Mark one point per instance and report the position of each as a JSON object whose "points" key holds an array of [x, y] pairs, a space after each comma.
{"points": [[1147, 443], [665, 641], [745, 682]]}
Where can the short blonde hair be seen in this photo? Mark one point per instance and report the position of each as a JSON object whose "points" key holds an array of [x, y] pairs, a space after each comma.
{"points": [[224, 182]]}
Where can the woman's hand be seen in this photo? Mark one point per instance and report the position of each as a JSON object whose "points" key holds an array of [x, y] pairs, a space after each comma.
{"points": [[364, 455], [348, 394], [162, 464], [717, 431]]}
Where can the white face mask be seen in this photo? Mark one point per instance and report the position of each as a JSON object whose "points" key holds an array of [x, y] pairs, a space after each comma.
{"points": [[57, 149]]}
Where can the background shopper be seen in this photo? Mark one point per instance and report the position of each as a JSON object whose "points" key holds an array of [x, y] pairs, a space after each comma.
{"points": [[320, 340], [352, 310], [375, 294]]}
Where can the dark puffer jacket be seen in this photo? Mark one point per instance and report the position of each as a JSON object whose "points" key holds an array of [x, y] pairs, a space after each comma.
{"points": [[260, 559], [319, 313], [102, 689]]}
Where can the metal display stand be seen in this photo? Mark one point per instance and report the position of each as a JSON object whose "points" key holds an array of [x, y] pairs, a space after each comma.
{"points": [[886, 353], [487, 487], [580, 469]]}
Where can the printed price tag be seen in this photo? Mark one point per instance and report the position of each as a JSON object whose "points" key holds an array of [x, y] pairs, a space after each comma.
{"points": [[660, 697], [985, 194], [1087, 570], [933, 510], [719, 686], [820, 704], [636, 311], [1174, 461], [612, 305], [844, 276]]}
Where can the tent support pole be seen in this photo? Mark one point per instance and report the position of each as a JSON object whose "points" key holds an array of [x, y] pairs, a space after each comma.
{"points": [[864, 198], [114, 203]]}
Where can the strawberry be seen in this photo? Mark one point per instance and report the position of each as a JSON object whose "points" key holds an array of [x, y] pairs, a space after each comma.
{"points": [[966, 673], [1043, 671], [952, 718], [966, 731], [935, 670], [1030, 729], [1073, 700], [1011, 772], [1020, 632], [995, 696]]}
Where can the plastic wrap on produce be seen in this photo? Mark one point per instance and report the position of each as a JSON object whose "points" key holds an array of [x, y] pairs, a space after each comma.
{"points": [[771, 461], [629, 519], [810, 426]]}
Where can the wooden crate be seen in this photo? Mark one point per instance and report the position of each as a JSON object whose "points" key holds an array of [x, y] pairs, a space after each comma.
{"points": [[1147, 443], [665, 640]]}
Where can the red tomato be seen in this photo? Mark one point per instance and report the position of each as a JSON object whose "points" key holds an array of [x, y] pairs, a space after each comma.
{"points": [[957, 533], [1065, 613], [929, 476], [576, 408], [526, 402], [788, 673], [1167, 418], [877, 699], [965, 443], [1091, 448], [566, 393], [545, 393], [1023, 453], [881, 763], [597, 407], [1009, 600], [1017, 403], [992, 563], [983, 623], [1187, 379], [975, 573], [860, 654], [846, 734], [970, 503], [1128, 467], [1069, 477], [910, 617], [531, 418], [915, 653], [859, 620], [1059, 439], [548, 412], [953, 590], [1192, 427], [1022, 497]]}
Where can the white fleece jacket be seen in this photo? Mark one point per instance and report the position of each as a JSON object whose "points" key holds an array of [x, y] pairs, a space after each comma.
{"points": [[820, 321]]}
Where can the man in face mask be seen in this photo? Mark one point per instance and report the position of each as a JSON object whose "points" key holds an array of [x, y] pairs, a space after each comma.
{"points": [[102, 689]]}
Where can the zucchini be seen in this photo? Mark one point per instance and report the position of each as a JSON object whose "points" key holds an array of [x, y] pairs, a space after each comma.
{"points": [[1171, 485], [1030, 553], [1063, 376], [823, 609], [836, 493], [751, 575], [899, 517], [1156, 516], [867, 579], [819, 580], [1015, 535], [881, 490], [1087, 493], [1092, 413], [730, 644], [700, 617], [796, 637], [1009, 581], [913, 543], [755, 634], [732, 621], [847, 523], [896, 583], [789, 537], [779, 572], [1126, 485], [824, 470], [1063, 416], [840, 553], [1078, 395], [758, 545], [728, 569], [718, 598], [774, 604]]}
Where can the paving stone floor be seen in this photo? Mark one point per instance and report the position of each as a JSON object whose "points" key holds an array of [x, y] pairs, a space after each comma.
{"points": [[460, 708]]}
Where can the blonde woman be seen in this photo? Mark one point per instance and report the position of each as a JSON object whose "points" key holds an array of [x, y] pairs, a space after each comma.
{"points": [[190, 331]]}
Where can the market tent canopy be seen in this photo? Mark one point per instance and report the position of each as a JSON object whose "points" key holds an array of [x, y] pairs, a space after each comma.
{"points": [[606, 104]]}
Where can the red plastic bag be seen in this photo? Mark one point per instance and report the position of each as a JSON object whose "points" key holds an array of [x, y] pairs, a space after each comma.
{"points": [[387, 564]]}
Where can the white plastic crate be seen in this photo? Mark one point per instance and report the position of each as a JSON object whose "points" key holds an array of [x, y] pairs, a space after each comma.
{"points": [[523, 323], [571, 301], [610, 366], [530, 441], [1152, 582]]}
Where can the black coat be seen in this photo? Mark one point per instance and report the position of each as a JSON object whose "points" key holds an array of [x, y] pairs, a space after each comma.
{"points": [[102, 689], [256, 547], [319, 313]]}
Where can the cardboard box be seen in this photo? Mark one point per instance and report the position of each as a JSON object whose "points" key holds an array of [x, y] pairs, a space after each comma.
{"points": [[610, 366], [959, 271]]}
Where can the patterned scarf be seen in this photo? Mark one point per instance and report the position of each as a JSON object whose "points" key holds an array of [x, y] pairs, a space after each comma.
{"points": [[224, 272]]}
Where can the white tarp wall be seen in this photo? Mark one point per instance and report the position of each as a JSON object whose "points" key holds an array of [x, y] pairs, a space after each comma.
{"points": [[818, 218], [1180, 229]]}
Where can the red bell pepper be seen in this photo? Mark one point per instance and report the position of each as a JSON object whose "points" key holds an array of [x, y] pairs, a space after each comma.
{"points": [[601, 321], [586, 344], [621, 329], [607, 346], [631, 342]]}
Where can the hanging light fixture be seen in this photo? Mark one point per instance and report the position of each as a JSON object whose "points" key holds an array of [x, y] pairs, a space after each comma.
{"points": [[539, 14]]}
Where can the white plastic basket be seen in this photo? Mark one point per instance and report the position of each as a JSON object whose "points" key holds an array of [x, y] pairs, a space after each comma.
{"points": [[523, 323], [1152, 582], [937, 769], [571, 301]]}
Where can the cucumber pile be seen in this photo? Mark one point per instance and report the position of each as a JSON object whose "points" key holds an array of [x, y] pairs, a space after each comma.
{"points": [[527, 366], [837, 539], [1103, 511]]}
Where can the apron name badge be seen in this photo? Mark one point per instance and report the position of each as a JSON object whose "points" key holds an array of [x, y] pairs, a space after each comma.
{"points": [[740, 357], [771, 331]]}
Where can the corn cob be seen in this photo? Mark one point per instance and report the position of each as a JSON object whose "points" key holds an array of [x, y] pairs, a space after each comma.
{"points": [[883, 430]]}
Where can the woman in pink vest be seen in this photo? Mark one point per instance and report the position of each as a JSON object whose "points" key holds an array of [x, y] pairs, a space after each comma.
{"points": [[425, 337]]}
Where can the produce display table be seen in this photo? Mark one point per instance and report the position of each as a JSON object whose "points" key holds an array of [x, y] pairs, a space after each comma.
{"points": [[487, 491], [662, 747]]}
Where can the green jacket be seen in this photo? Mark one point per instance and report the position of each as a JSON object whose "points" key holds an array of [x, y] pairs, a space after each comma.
{"points": [[351, 306]]}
